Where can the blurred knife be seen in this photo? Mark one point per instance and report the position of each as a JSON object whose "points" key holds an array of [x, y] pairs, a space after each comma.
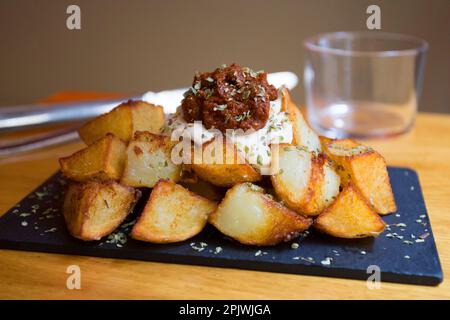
{"points": [[17, 117], [21, 117]]}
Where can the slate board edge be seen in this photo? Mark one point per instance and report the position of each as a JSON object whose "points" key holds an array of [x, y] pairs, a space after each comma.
{"points": [[440, 275], [301, 269]]}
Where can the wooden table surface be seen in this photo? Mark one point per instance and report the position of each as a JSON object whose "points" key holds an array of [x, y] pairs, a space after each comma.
{"points": [[33, 275]]}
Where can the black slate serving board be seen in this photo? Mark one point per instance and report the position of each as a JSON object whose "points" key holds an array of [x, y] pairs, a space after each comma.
{"points": [[405, 252]]}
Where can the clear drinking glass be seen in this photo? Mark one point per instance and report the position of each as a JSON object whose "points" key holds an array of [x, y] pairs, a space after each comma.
{"points": [[363, 84]]}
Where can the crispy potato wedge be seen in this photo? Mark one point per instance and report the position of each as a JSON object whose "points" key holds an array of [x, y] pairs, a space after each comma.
{"points": [[148, 159], [338, 143], [366, 169], [305, 182], [303, 135], [293, 178], [252, 217], [123, 121], [323, 187], [223, 166], [350, 216], [172, 214], [332, 182], [103, 160], [93, 210]]}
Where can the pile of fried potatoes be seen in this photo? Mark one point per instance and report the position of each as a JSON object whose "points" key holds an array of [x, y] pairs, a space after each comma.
{"points": [[339, 187]]}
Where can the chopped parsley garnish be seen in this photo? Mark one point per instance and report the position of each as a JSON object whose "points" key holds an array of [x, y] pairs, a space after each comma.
{"points": [[197, 85], [242, 117], [209, 92], [259, 160], [220, 107]]}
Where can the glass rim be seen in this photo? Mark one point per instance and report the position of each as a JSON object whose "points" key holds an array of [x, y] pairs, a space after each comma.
{"points": [[311, 43]]}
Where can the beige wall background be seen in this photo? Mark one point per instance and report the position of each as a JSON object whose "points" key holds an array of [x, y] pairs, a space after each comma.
{"points": [[134, 46]]}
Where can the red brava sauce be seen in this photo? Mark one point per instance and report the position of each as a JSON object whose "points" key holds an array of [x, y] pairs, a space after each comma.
{"points": [[230, 97]]}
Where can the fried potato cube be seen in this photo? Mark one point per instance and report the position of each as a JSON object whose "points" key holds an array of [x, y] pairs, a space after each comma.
{"points": [[350, 216], [148, 159], [222, 165], [172, 214], [103, 160], [93, 210], [303, 135], [305, 182], [337, 150], [323, 187], [252, 217], [366, 169], [123, 121], [295, 172]]}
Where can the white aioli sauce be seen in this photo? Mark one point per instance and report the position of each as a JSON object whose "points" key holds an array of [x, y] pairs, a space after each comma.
{"points": [[253, 145]]}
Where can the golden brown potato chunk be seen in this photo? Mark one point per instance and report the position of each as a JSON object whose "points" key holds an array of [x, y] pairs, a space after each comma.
{"points": [[366, 169], [350, 216], [93, 210], [123, 121], [303, 135], [223, 166], [343, 144], [172, 214], [103, 160], [148, 159], [252, 217], [307, 183], [323, 187]]}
